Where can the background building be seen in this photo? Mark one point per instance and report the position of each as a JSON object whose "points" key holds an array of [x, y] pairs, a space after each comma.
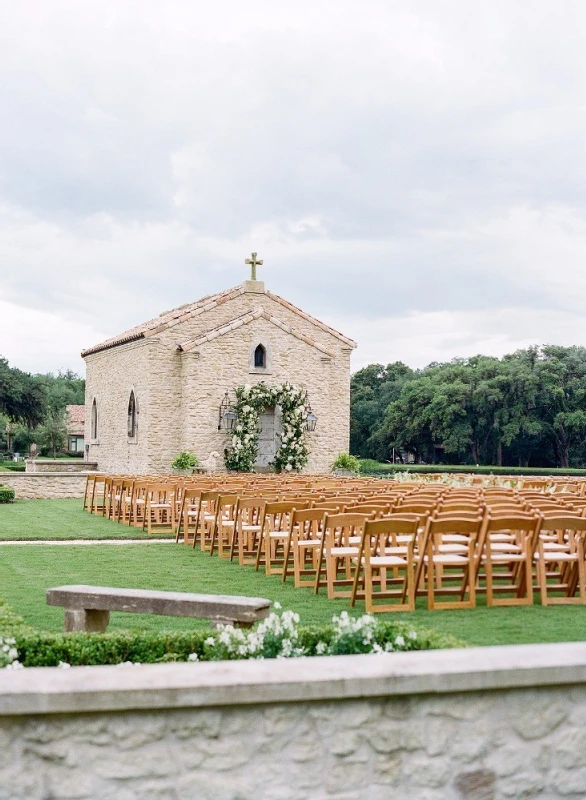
{"points": [[157, 389]]}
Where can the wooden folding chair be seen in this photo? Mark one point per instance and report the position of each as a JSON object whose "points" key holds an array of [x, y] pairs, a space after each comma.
{"points": [[303, 544], [90, 483], [138, 503], [187, 515], [448, 559], [97, 501], [224, 524], [125, 504], [205, 519], [505, 551], [159, 509], [247, 529], [274, 534], [559, 559], [338, 553], [385, 567]]}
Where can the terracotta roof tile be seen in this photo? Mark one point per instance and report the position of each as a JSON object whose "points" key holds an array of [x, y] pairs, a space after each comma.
{"points": [[176, 316], [75, 419]]}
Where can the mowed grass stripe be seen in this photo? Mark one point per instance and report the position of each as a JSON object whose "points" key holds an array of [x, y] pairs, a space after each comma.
{"points": [[28, 520]]}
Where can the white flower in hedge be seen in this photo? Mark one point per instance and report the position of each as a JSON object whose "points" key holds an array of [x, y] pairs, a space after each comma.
{"points": [[413, 634], [9, 653], [400, 641], [193, 657]]}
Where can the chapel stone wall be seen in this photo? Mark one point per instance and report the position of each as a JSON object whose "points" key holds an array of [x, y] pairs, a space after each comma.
{"points": [[223, 364], [179, 393], [110, 377]]}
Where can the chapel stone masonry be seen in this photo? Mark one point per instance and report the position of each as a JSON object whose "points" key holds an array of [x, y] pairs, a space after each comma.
{"points": [[156, 389]]}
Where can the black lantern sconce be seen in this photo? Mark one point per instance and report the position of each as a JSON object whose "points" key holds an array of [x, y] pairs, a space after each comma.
{"points": [[226, 416], [311, 419]]}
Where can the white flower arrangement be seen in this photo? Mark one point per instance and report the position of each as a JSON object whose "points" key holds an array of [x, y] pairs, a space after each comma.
{"points": [[278, 637], [9, 654], [292, 454]]}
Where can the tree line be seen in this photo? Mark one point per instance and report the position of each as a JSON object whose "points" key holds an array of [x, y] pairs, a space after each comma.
{"points": [[527, 408], [32, 407]]}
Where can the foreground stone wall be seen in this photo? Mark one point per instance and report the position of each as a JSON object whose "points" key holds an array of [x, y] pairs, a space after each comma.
{"points": [[45, 485], [482, 724]]}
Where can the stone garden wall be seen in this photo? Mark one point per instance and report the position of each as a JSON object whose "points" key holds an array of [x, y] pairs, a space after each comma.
{"points": [[41, 485], [478, 724], [51, 465]]}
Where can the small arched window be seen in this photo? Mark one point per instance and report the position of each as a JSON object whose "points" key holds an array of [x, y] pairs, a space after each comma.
{"points": [[94, 420], [260, 357], [132, 415]]}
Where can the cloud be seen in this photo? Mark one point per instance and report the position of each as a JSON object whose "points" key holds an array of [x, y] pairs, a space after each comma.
{"points": [[419, 339], [39, 341], [390, 161]]}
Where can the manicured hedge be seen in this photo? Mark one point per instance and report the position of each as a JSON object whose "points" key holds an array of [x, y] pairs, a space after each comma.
{"points": [[39, 649], [368, 467], [83, 649], [7, 494]]}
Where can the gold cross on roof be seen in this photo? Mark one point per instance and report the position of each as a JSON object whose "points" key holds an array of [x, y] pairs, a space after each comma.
{"points": [[254, 263]]}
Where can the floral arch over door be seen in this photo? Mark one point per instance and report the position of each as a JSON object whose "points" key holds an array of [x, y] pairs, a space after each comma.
{"points": [[292, 454]]}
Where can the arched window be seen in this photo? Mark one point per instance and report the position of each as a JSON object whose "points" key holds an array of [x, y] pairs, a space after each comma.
{"points": [[132, 416], [260, 357], [94, 421]]}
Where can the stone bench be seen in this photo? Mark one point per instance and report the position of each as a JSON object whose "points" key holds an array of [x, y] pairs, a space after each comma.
{"points": [[87, 608]]}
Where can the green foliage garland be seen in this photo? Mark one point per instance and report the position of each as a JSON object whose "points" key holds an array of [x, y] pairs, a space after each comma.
{"points": [[250, 402]]}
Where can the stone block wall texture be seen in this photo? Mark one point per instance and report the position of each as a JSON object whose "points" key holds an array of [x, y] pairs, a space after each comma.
{"points": [[179, 393], [522, 743], [49, 465], [44, 485]]}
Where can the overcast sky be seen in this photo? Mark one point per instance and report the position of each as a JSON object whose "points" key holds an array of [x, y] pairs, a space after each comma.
{"points": [[413, 173]]}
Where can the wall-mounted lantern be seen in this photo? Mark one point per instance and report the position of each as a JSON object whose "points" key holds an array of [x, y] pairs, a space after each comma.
{"points": [[311, 419], [226, 416]]}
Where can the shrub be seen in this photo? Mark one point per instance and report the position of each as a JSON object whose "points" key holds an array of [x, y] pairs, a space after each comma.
{"points": [[13, 466], [278, 636], [11, 623], [348, 462], [7, 494], [370, 467], [185, 460]]}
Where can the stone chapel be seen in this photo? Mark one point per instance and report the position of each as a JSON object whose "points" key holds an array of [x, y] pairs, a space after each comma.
{"points": [[164, 386]]}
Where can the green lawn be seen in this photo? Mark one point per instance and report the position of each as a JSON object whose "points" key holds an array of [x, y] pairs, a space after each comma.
{"points": [[59, 519], [26, 571]]}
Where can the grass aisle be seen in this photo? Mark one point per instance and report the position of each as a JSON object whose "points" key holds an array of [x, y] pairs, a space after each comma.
{"points": [[28, 520]]}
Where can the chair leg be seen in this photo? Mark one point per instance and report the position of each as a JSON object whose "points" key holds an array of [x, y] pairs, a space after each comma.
{"points": [[430, 583], [542, 577]]}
